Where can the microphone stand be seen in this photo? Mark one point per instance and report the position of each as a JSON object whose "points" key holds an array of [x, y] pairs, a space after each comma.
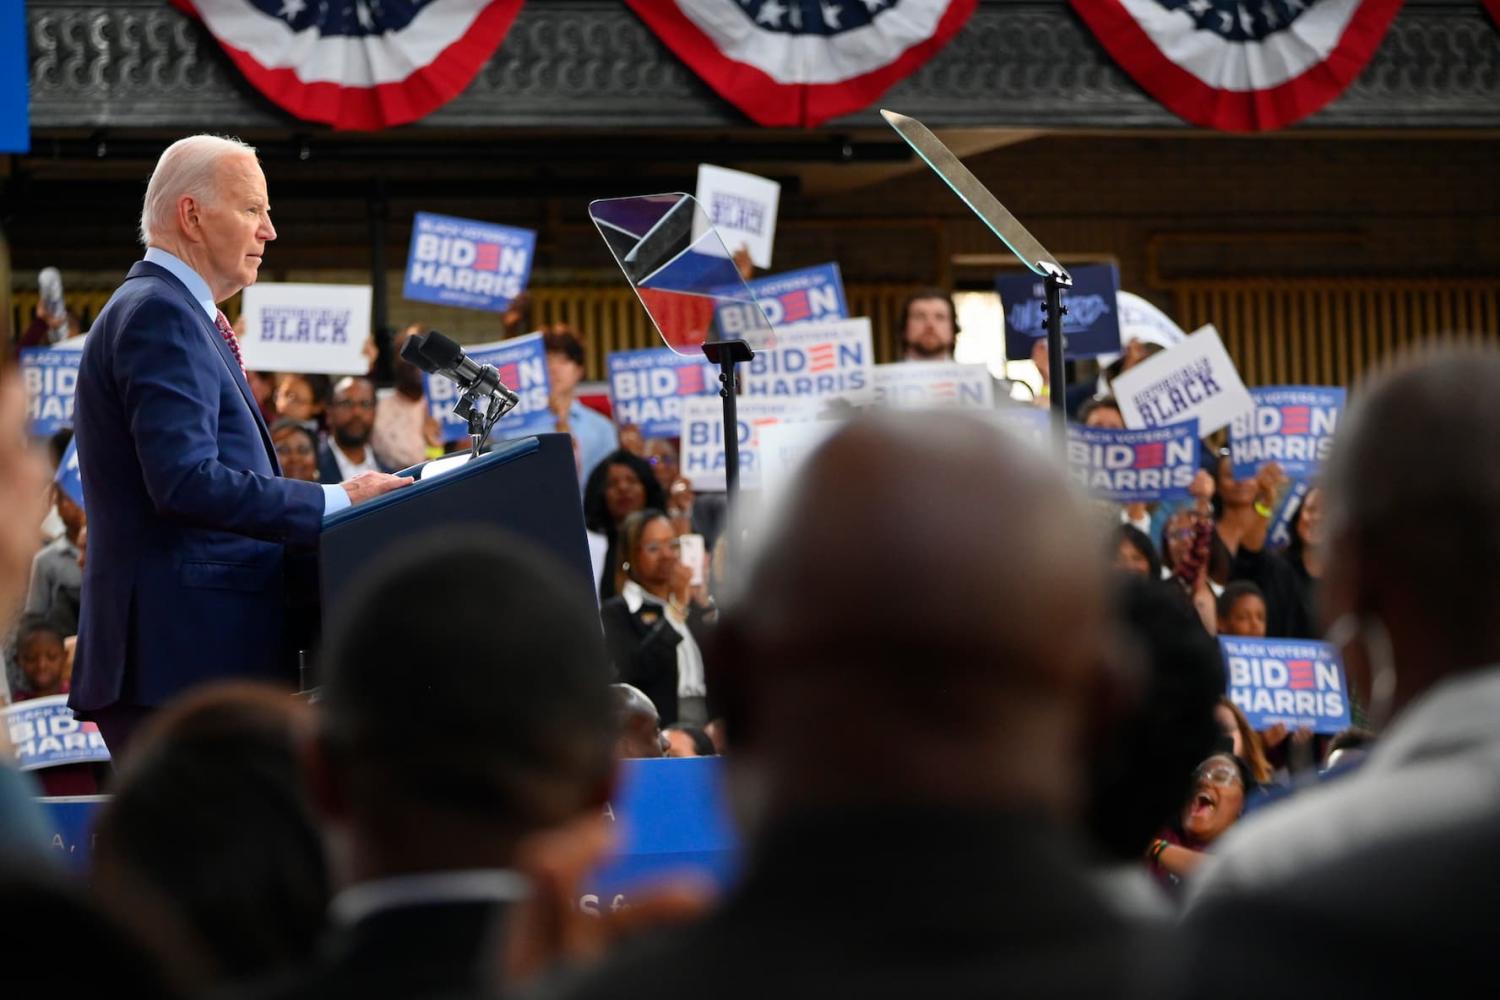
{"points": [[481, 420]]}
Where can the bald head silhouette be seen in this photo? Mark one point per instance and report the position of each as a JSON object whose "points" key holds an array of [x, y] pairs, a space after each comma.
{"points": [[1412, 515], [932, 594]]}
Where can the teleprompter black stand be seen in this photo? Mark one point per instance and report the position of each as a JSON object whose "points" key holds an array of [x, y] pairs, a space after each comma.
{"points": [[726, 354]]}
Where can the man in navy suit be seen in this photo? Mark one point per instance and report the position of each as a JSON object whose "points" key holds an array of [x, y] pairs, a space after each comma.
{"points": [[188, 511]]}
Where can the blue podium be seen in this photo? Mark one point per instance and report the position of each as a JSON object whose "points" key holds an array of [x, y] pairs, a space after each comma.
{"points": [[527, 487]]}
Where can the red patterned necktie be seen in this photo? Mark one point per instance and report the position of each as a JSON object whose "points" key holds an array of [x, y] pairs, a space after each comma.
{"points": [[227, 332]]}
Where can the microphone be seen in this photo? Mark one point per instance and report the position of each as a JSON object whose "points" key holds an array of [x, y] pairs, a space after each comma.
{"points": [[438, 355]]}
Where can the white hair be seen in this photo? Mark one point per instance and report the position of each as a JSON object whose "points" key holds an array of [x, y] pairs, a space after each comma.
{"points": [[188, 167]]}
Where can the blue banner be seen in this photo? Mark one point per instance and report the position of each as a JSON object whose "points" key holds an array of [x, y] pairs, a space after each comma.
{"points": [[1126, 466], [672, 817], [51, 375], [646, 388], [467, 263], [808, 295], [1091, 324], [15, 71], [1295, 682], [522, 364], [45, 734], [69, 479], [1291, 425], [70, 825]]}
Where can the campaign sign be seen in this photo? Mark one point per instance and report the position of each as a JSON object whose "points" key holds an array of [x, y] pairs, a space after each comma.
{"points": [[1031, 424], [306, 328], [45, 734], [15, 79], [815, 361], [701, 450], [647, 388], [522, 364], [51, 377], [69, 479], [1291, 425], [1134, 466], [785, 447], [805, 296], [1193, 381], [467, 263], [1280, 531], [742, 207], [916, 385], [1091, 324], [1295, 682], [671, 818]]}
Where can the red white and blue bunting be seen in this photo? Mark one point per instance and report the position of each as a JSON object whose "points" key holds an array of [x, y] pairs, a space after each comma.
{"points": [[802, 62], [358, 64], [1241, 65]]}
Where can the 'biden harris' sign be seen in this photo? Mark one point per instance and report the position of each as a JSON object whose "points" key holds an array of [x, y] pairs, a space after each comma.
{"points": [[467, 263], [1296, 683]]}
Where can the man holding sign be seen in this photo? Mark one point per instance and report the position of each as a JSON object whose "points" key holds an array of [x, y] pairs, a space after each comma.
{"points": [[188, 510]]}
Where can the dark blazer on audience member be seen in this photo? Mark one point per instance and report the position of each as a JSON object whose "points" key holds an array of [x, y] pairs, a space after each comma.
{"points": [[328, 466], [643, 648], [425, 950], [895, 902], [188, 512]]}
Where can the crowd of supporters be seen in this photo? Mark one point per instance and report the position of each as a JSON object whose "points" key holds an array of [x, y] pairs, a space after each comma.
{"points": [[946, 674]]}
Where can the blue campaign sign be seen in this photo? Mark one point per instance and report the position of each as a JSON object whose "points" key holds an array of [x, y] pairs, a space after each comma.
{"points": [[672, 818], [15, 69], [1127, 466], [1291, 425], [1280, 532], [646, 388], [522, 364], [1295, 682], [45, 734], [808, 295], [51, 375], [1092, 322], [69, 479], [467, 263]]}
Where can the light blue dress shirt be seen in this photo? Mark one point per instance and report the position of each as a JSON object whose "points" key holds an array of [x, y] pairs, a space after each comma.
{"points": [[596, 437], [335, 498]]}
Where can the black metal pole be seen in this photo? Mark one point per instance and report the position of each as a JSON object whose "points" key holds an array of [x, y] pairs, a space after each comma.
{"points": [[1056, 362], [379, 209], [725, 354]]}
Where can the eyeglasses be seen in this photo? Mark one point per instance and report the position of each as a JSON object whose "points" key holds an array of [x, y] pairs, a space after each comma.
{"points": [[354, 404], [301, 450], [662, 460], [656, 548], [1219, 774]]}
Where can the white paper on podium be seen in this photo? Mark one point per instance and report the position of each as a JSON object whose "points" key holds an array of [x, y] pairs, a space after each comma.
{"points": [[442, 466]]}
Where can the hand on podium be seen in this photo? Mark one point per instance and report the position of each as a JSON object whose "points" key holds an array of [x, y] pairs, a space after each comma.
{"points": [[369, 485]]}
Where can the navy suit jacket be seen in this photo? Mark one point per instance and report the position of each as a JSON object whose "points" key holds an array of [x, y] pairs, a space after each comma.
{"points": [[188, 512]]}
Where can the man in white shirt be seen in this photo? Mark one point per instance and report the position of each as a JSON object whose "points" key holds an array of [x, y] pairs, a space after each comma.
{"points": [[351, 416]]}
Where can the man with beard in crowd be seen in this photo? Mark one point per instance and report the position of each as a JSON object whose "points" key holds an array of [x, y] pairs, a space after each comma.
{"points": [[351, 417]]}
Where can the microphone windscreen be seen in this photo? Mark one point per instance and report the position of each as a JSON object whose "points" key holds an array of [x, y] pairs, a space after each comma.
{"points": [[441, 351], [413, 352]]}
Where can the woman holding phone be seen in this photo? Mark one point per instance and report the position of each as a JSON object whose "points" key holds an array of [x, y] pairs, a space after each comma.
{"points": [[652, 626]]}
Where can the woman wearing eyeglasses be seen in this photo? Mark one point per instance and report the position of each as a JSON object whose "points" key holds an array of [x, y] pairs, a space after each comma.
{"points": [[652, 626], [1220, 786]]}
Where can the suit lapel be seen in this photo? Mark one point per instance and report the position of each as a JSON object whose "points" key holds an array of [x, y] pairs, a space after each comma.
{"points": [[145, 268]]}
